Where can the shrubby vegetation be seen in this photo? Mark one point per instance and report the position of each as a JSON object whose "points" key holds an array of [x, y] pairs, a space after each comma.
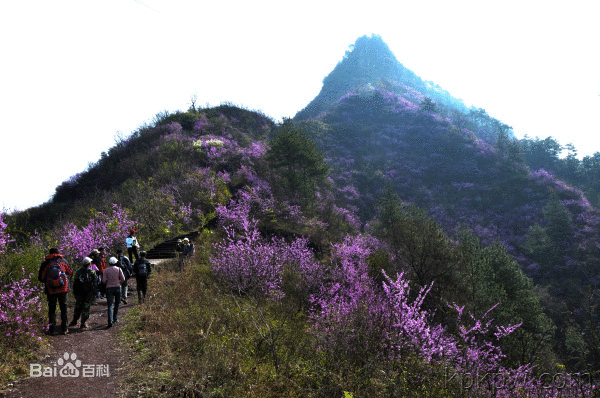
{"points": [[21, 321], [331, 327]]}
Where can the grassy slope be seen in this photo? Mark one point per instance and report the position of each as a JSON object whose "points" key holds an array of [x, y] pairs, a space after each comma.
{"points": [[193, 339]]}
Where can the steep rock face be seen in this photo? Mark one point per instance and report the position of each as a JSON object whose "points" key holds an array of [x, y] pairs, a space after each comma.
{"points": [[383, 131]]}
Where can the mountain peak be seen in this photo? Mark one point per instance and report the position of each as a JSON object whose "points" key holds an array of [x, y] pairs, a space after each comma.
{"points": [[367, 62]]}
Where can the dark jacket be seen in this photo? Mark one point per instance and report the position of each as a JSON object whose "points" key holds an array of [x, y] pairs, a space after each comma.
{"points": [[125, 265], [188, 249]]}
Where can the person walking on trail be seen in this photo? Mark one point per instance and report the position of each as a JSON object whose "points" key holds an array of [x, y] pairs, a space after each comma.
{"points": [[101, 260], [101, 265], [53, 273], [96, 266], [127, 269], [85, 285], [142, 269], [113, 277], [132, 245]]}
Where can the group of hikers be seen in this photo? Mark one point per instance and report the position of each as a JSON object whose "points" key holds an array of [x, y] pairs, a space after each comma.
{"points": [[94, 279]]}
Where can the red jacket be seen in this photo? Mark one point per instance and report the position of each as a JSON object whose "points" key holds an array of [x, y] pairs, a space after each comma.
{"points": [[64, 266], [101, 263]]}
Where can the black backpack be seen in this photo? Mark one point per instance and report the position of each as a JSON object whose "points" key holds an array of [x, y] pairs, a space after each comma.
{"points": [[55, 277], [143, 269], [85, 282]]}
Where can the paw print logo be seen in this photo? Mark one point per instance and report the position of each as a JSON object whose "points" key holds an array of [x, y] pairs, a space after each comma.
{"points": [[70, 365]]}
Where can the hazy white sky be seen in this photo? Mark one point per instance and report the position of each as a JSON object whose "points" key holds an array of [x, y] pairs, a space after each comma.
{"points": [[75, 74]]}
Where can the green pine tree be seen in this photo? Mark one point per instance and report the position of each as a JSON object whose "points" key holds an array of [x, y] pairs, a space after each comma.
{"points": [[298, 166]]}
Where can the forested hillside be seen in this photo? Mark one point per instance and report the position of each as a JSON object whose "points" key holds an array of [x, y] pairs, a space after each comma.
{"points": [[387, 241], [466, 171]]}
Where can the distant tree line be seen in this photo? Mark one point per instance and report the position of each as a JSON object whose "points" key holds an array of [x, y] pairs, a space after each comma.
{"points": [[547, 154]]}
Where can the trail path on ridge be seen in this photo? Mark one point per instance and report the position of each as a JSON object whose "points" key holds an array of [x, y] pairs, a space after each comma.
{"points": [[96, 348]]}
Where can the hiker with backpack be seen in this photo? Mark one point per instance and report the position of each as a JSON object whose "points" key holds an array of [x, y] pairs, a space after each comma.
{"points": [[127, 269], [132, 245], [53, 273], [113, 277], [85, 285], [142, 269]]}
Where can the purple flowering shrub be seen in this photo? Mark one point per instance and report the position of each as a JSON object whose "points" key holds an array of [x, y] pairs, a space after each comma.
{"points": [[359, 325], [248, 264], [357, 319], [4, 236], [20, 307], [108, 230], [346, 317], [181, 205], [254, 199], [20, 303], [237, 214]]}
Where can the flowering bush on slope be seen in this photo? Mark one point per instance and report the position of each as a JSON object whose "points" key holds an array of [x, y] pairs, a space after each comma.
{"points": [[3, 234], [356, 318], [108, 230], [249, 264], [20, 306], [19, 303], [372, 327]]}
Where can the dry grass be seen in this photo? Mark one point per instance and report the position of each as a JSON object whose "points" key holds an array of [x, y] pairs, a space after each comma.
{"points": [[191, 339]]}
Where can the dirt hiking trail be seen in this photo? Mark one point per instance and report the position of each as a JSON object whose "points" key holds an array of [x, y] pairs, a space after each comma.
{"points": [[84, 363]]}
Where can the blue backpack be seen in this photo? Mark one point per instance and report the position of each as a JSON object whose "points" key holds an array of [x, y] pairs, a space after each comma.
{"points": [[55, 277]]}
